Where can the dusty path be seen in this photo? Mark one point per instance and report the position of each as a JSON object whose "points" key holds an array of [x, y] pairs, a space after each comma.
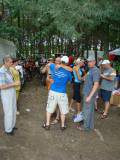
{"points": [[31, 142]]}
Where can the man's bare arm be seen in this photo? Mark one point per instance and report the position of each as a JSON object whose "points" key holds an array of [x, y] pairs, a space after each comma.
{"points": [[66, 67], [109, 78]]}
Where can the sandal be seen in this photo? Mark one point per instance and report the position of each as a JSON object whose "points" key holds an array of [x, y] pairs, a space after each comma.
{"points": [[99, 111], [54, 121], [104, 116], [47, 127], [102, 112]]}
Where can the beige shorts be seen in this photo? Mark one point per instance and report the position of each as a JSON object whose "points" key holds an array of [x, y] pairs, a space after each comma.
{"points": [[55, 98]]}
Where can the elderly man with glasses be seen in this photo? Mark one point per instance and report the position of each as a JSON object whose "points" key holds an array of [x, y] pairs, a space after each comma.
{"points": [[8, 95]]}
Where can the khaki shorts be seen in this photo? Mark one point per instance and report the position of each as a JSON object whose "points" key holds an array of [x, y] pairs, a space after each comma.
{"points": [[55, 98]]}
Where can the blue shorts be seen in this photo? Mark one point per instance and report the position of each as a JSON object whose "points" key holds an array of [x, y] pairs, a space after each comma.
{"points": [[105, 95]]}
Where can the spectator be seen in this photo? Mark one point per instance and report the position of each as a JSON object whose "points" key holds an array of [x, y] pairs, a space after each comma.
{"points": [[107, 85], [16, 77], [46, 71], [8, 95], [19, 68], [77, 72], [90, 88]]}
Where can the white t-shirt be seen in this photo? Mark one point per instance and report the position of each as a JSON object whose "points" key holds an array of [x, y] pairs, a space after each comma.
{"points": [[20, 69]]}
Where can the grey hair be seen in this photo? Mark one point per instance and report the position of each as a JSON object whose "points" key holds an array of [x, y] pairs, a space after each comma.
{"points": [[6, 58]]}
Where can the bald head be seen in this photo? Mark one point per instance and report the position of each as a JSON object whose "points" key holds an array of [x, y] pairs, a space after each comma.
{"points": [[58, 60]]}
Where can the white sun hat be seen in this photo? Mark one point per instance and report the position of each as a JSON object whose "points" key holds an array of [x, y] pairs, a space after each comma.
{"points": [[65, 59], [106, 61]]}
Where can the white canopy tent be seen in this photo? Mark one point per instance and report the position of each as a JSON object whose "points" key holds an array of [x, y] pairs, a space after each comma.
{"points": [[115, 52]]}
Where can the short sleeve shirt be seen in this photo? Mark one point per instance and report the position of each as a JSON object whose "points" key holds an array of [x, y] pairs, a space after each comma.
{"points": [[92, 76], [5, 76], [106, 84], [60, 76]]}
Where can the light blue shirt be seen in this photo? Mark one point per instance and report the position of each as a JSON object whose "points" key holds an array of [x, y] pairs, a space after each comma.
{"points": [[76, 77]]}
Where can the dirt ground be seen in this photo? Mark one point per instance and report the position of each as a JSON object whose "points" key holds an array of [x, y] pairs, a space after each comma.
{"points": [[32, 142]]}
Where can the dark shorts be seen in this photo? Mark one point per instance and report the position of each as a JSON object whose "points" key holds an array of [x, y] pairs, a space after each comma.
{"points": [[76, 92], [105, 95]]}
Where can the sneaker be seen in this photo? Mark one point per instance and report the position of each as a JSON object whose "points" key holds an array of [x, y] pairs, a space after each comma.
{"points": [[74, 116], [10, 133], [78, 118]]}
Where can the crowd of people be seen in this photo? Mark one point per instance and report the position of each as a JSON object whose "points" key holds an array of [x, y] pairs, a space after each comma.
{"points": [[89, 82], [86, 79]]}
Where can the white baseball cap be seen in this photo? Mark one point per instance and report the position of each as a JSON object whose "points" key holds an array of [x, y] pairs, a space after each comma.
{"points": [[106, 62], [65, 59], [79, 60]]}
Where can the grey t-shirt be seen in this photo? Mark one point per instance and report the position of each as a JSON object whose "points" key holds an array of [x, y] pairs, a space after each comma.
{"points": [[93, 75], [107, 84]]}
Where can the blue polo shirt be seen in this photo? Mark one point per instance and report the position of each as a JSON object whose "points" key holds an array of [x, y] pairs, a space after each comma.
{"points": [[61, 77]]}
